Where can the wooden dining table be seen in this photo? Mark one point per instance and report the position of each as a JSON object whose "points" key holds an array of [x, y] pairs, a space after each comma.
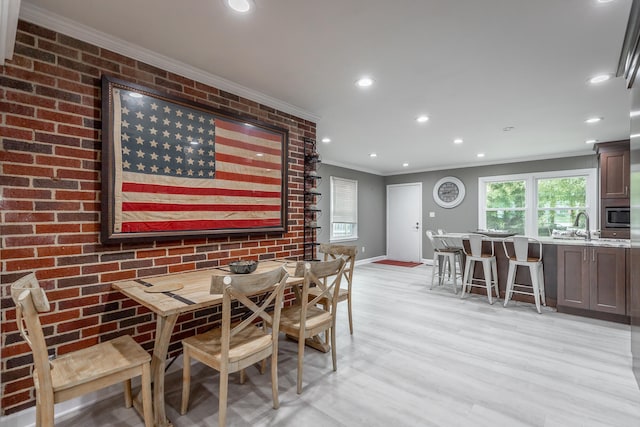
{"points": [[171, 295]]}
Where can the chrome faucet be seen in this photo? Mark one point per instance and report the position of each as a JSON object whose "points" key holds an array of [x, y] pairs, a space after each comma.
{"points": [[587, 235]]}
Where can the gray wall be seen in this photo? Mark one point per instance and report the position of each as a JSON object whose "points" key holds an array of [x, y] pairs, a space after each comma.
{"points": [[371, 209], [464, 217]]}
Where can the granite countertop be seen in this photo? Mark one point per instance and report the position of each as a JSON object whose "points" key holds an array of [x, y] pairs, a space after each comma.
{"points": [[580, 241]]}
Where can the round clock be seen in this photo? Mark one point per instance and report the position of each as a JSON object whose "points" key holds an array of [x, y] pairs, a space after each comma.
{"points": [[448, 192]]}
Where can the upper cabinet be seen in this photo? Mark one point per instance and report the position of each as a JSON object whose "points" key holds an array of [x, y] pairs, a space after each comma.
{"points": [[614, 170]]}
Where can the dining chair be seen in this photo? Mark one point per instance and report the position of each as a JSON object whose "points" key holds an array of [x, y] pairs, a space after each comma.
{"points": [[74, 374], [333, 251], [489, 266], [235, 346], [305, 319], [446, 260], [516, 249]]}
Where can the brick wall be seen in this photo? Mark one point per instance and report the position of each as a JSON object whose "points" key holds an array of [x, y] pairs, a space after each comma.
{"points": [[50, 107]]}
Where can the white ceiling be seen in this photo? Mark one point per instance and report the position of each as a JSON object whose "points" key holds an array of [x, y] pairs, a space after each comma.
{"points": [[474, 66]]}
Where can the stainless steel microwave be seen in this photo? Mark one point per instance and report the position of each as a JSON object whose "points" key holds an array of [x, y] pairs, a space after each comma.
{"points": [[617, 217]]}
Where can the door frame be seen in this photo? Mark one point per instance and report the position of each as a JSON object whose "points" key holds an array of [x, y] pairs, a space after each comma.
{"points": [[406, 184]]}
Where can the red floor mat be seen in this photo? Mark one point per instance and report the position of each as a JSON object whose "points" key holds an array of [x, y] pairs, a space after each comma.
{"points": [[398, 263]]}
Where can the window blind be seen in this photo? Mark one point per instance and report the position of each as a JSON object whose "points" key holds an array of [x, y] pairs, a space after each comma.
{"points": [[344, 200]]}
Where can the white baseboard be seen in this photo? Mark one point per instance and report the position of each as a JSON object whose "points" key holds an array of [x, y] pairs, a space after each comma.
{"points": [[370, 260]]}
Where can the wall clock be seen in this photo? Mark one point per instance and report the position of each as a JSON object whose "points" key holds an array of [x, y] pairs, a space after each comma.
{"points": [[448, 192]]}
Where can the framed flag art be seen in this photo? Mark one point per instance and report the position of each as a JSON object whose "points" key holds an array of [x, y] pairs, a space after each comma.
{"points": [[173, 168]]}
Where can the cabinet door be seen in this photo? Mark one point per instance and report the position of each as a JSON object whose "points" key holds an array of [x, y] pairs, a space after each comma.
{"points": [[608, 280], [573, 276], [614, 175]]}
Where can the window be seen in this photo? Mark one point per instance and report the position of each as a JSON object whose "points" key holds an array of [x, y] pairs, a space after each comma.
{"points": [[344, 209], [536, 204]]}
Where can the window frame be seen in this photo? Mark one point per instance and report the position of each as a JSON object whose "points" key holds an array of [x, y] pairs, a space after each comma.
{"points": [[531, 195], [354, 235]]}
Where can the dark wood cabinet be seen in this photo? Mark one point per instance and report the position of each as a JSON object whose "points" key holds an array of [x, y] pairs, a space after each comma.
{"points": [[614, 174], [592, 278]]}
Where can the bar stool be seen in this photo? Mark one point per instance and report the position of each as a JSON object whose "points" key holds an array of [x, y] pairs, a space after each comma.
{"points": [[444, 260], [520, 245], [489, 267]]}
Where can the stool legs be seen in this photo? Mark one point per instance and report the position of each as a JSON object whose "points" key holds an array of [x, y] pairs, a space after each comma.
{"points": [[445, 262], [490, 270], [537, 283]]}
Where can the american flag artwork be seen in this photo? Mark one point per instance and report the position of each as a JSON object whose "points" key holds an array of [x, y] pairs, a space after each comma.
{"points": [[177, 168]]}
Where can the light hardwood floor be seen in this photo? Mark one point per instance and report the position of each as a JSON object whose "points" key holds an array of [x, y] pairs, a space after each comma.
{"points": [[426, 358]]}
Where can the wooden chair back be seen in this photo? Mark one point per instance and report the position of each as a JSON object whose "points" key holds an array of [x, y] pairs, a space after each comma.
{"points": [[326, 276], [30, 300], [332, 251], [239, 288]]}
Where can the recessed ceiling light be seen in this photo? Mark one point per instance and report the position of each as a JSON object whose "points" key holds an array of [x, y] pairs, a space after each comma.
{"points": [[480, 154], [591, 141], [600, 78], [605, 1], [326, 140], [635, 135], [458, 141], [373, 155], [364, 82], [241, 6], [593, 120], [634, 113], [404, 165], [422, 119]]}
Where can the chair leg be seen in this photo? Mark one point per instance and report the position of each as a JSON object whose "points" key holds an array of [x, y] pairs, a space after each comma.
{"points": [[147, 407], [222, 405], [541, 282], [274, 379], [536, 286], [494, 272], [350, 318], [186, 380], [436, 264], [44, 409], [486, 268], [333, 347], [455, 274], [300, 358], [128, 398], [465, 279], [510, 279], [243, 376]]}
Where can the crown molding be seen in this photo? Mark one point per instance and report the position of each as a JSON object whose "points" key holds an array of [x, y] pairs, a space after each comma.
{"points": [[44, 18], [9, 10]]}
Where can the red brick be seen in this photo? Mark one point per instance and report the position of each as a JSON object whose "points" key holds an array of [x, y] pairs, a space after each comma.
{"points": [[10, 132], [78, 174], [59, 316], [58, 117], [29, 264], [27, 217], [24, 170], [78, 302], [58, 161], [13, 399], [58, 272], [29, 99], [78, 109], [167, 261], [182, 267], [15, 157], [24, 193], [30, 76], [57, 228], [17, 109], [29, 241], [101, 329], [59, 250], [59, 294], [78, 238], [23, 122], [119, 275], [44, 67], [81, 132], [6, 230], [77, 345], [74, 195], [100, 268], [181, 251], [151, 253], [6, 254]]}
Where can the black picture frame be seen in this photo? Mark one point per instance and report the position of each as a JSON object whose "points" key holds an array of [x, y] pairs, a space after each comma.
{"points": [[164, 176]]}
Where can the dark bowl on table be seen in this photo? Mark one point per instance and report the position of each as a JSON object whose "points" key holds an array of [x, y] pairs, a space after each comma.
{"points": [[243, 267]]}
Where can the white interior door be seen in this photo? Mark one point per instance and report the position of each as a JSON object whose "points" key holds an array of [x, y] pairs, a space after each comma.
{"points": [[404, 222]]}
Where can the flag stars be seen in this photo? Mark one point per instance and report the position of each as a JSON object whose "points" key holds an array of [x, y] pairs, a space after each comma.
{"points": [[166, 122], [200, 162], [178, 125], [200, 152], [154, 156], [212, 163], [179, 159], [211, 122], [140, 166], [166, 133], [153, 143], [139, 140], [211, 153], [167, 158], [201, 119], [178, 171], [200, 172], [140, 153], [211, 173], [166, 146], [200, 129], [154, 106], [153, 118], [125, 110], [167, 170], [189, 150], [125, 124], [190, 172], [126, 151], [190, 128], [190, 116], [179, 148], [179, 136], [139, 128], [140, 115], [125, 137], [154, 169], [179, 113], [167, 109], [190, 161], [210, 132], [153, 131], [126, 165]]}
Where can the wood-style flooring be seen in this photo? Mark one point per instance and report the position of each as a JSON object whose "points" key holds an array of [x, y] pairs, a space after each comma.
{"points": [[421, 357]]}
